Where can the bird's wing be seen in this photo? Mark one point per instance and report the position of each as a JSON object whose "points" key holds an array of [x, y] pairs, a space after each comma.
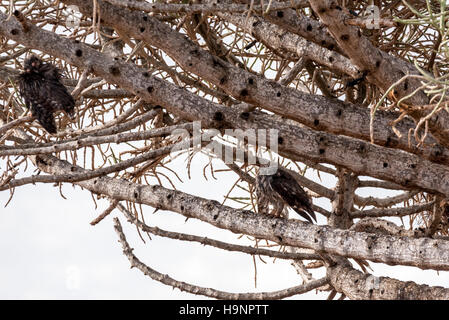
{"points": [[293, 194], [59, 97], [49, 71], [22, 86]]}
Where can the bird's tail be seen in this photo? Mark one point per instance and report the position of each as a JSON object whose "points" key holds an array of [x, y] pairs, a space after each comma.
{"points": [[45, 118], [307, 213]]}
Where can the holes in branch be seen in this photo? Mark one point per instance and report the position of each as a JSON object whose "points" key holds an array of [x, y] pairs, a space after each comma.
{"points": [[362, 148], [218, 116], [114, 70], [244, 93], [280, 140], [244, 115]]}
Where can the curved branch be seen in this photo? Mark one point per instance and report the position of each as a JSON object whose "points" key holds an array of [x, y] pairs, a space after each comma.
{"points": [[209, 292]]}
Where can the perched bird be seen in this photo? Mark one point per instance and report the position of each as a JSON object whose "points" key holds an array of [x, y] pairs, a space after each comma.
{"points": [[280, 189], [41, 87]]}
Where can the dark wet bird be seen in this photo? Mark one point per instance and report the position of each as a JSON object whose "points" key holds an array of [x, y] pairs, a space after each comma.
{"points": [[41, 87], [281, 189]]}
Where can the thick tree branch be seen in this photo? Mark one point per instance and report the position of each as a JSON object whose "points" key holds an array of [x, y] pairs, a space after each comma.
{"points": [[275, 37], [424, 253], [215, 243], [303, 26], [204, 8], [357, 285]]}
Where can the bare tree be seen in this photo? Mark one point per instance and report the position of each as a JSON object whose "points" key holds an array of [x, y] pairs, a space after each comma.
{"points": [[355, 90]]}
